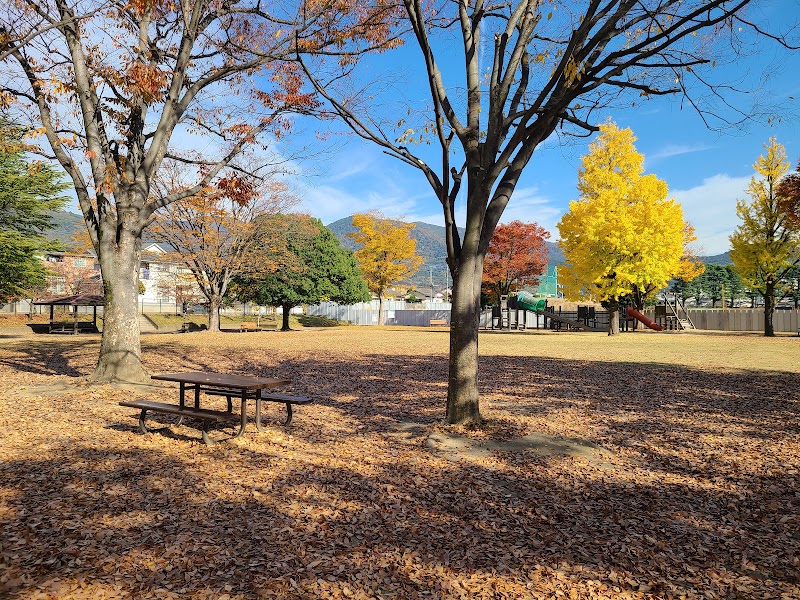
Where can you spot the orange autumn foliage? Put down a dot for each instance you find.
(516, 256)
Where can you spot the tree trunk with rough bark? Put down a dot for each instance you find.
(769, 309)
(462, 390)
(214, 303)
(613, 317)
(381, 318)
(286, 310)
(120, 348)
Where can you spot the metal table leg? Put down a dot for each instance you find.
(243, 419)
(258, 412)
(182, 402)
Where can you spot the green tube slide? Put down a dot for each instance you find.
(527, 301)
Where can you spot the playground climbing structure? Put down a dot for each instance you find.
(582, 320)
(672, 314)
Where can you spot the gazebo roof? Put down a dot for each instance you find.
(79, 300)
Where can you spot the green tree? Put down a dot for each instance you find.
(624, 234)
(792, 282)
(737, 288)
(764, 248)
(310, 267)
(29, 192)
(715, 283)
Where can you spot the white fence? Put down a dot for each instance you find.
(395, 312)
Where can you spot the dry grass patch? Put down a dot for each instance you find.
(693, 491)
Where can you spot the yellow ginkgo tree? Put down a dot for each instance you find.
(766, 245)
(387, 252)
(624, 235)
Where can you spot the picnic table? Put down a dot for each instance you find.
(217, 384)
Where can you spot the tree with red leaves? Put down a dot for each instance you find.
(516, 256)
(789, 198)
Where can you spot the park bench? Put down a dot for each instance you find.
(203, 414)
(438, 322)
(245, 327)
(268, 396)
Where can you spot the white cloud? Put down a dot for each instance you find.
(711, 208)
(330, 202)
(676, 150)
(527, 206)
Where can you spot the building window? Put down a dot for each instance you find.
(58, 285)
(79, 262)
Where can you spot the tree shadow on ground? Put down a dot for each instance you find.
(701, 497)
(49, 357)
(248, 522)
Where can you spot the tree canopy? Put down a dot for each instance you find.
(387, 253)
(623, 233)
(115, 88)
(29, 192)
(504, 77)
(516, 256)
(766, 245)
(311, 266)
(222, 231)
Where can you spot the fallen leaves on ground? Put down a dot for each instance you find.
(695, 494)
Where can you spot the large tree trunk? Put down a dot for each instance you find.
(612, 306)
(214, 302)
(769, 309)
(381, 319)
(286, 310)
(462, 388)
(120, 349)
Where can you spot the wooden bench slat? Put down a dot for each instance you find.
(269, 396)
(173, 409)
(287, 399)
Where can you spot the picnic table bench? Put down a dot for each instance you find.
(439, 322)
(182, 411)
(217, 384)
(72, 327)
(259, 396)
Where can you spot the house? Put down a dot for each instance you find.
(72, 273)
(165, 281)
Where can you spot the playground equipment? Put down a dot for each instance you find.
(632, 312)
(513, 314)
(672, 314)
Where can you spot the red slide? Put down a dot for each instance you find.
(640, 317)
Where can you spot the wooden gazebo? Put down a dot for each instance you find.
(73, 326)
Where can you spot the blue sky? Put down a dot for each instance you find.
(705, 170)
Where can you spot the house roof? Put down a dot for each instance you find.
(79, 300)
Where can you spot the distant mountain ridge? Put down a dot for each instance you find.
(67, 224)
(430, 245)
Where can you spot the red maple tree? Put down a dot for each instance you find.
(789, 198)
(516, 256)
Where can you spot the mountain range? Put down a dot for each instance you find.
(430, 245)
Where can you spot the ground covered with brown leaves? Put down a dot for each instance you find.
(684, 482)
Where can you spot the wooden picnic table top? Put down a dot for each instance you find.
(224, 380)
